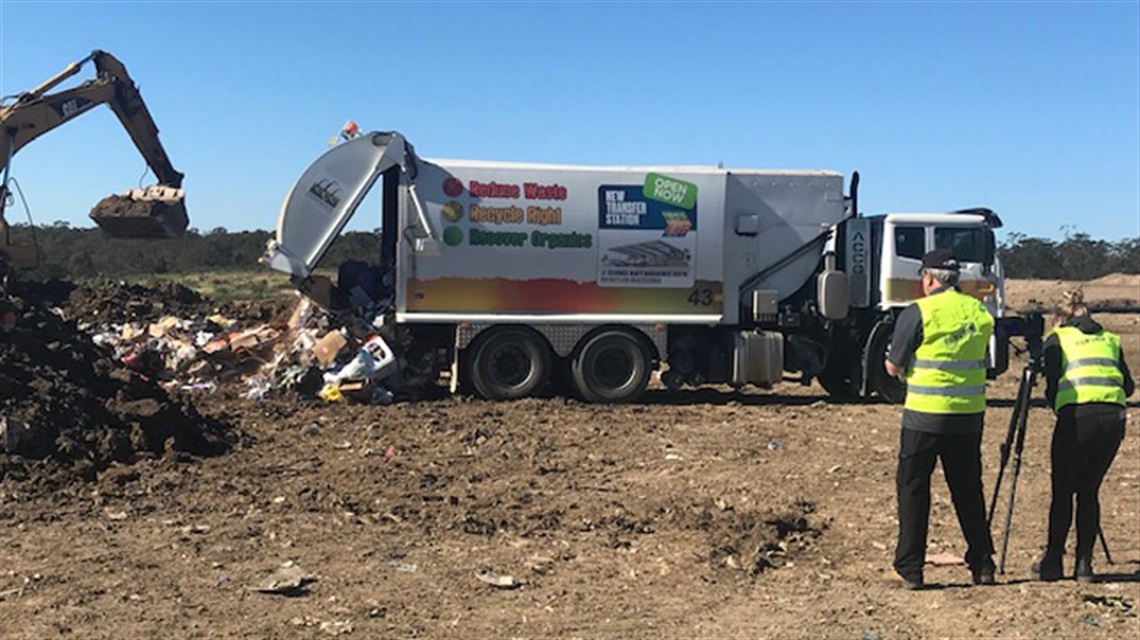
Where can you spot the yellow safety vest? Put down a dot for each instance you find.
(1089, 368)
(948, 375)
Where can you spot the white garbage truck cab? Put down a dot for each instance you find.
(506, 276)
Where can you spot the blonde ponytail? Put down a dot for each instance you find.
(1071, 306)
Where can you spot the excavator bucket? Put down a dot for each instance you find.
(154, 212)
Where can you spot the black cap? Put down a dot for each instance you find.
(940, 259)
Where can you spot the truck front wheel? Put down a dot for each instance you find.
(840, 382)
(509, 362)
(611, 366)
(883, 384)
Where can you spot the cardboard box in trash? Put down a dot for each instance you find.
(361, 390)
(242, 340)
(328, 347)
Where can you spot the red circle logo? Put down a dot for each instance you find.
(452, 187)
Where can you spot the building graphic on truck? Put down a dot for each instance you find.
(505, 273)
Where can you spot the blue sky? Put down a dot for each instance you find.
(1030, 108)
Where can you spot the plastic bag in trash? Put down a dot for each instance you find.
(382, 396)
(374, 361)
(258, 387)
(331, 393)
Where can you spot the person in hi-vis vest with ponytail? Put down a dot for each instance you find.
(939, 343)
(1086, 384)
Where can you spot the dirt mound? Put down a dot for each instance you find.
(1119, 280)
(116, 302)
(66, 402)
(1114, 291)
(121, 302)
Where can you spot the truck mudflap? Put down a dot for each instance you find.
(325, 198)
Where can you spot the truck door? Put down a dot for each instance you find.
(903, 248)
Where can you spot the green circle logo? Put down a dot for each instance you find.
(453, 236)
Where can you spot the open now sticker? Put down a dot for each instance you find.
(672, 191)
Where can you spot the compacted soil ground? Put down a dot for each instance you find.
(705, 513)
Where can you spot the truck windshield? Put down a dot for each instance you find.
(968, 244)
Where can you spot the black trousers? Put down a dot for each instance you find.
(961, 456)
(1085, 442)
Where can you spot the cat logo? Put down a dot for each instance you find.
(68, 109)
(327, 191)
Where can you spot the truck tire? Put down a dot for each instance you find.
(839, 383)
(880, 382)
(611, 366)
(509, 362)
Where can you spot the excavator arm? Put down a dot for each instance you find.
(157, 211)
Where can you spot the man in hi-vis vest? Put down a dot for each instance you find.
(1087, 382)
(939, 343)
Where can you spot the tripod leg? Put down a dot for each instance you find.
(1009, 514)
(1021, 414)
(1023, 391)
(1104, 545)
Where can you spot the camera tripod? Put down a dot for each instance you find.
(1015, 437)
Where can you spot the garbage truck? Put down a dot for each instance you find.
(505, 277)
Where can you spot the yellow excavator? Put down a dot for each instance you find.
(157, 211)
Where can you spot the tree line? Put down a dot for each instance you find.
(77, 254)
(1077, 257)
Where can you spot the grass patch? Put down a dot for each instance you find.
(226, 286)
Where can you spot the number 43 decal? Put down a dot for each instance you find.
(701, 297)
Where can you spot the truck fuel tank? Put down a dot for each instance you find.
(758, 358)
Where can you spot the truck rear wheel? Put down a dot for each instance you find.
(611, 366)
(509, 362)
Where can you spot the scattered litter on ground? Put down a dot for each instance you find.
(1118, 603)
(289, 580)
(499, 581)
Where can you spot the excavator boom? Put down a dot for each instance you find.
(153, 212)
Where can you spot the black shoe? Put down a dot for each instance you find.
(912, 583)
(1047, 570)
(983, 575)
(1084, 570)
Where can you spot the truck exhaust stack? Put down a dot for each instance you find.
(154, 212)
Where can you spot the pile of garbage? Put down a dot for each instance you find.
(64, 398)
(173, 336)
(98, 374)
